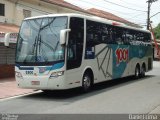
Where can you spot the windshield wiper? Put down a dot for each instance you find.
(37, 47)
(38, 41)
(34, 47)
(47, 45)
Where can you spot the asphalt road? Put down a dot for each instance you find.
(120, 96)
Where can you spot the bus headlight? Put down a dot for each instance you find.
(56, 74)
(18, 74)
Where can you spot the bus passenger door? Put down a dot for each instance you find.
(75, 49)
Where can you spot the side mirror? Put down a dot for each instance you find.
(6, 39)
(63, 36)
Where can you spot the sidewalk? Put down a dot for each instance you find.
(156, 64)
(8, 88)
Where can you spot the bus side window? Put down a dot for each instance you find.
(110, 35)
(119, 36)
(92, 34)
(147, 37)
(129, 36)
(98, 33)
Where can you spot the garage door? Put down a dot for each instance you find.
(7, 55)
(3, 54)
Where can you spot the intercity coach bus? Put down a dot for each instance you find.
(63, 51)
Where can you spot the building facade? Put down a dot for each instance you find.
(12, 12)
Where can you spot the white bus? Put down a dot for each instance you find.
(63, 51)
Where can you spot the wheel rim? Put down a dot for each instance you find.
(86, 82)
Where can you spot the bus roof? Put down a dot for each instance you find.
(93, 18)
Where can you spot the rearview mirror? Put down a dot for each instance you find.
(6, 39)
(63, 36)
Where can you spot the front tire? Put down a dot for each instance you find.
(137, 72)
(86, 82)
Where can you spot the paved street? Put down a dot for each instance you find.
(119, 96)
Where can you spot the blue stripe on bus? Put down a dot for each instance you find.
(24, 68)
(57, 66)
(47, 68)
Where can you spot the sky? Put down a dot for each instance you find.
(134, 11)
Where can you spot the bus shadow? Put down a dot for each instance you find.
(119, 82)
(76, 93)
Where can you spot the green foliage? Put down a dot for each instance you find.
(157, 31)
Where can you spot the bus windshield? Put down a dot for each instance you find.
(38, 40)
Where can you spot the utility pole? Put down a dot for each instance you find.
(148, 13)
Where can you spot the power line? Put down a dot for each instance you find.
(131, 4)
(124, 13)
(136, 16)
(137, 19)
(155, 23)
(124, 6)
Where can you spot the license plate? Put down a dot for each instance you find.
(35, 82)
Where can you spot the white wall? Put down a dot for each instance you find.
(14, 10)
(9, 12)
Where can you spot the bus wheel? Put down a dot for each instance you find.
(143, 70)
(137, 72)
(86, 83)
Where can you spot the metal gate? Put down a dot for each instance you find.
(7, 55)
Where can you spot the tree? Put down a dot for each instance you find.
(157, 31)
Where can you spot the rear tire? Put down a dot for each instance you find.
(86, 82)
(143, 70)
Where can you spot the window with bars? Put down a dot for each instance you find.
(26, 13)
(2, 9)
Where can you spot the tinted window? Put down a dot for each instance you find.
(98, 33)
(129, 36)
(139, 36)
(147, 37)
(75, 43)
(119, 35)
